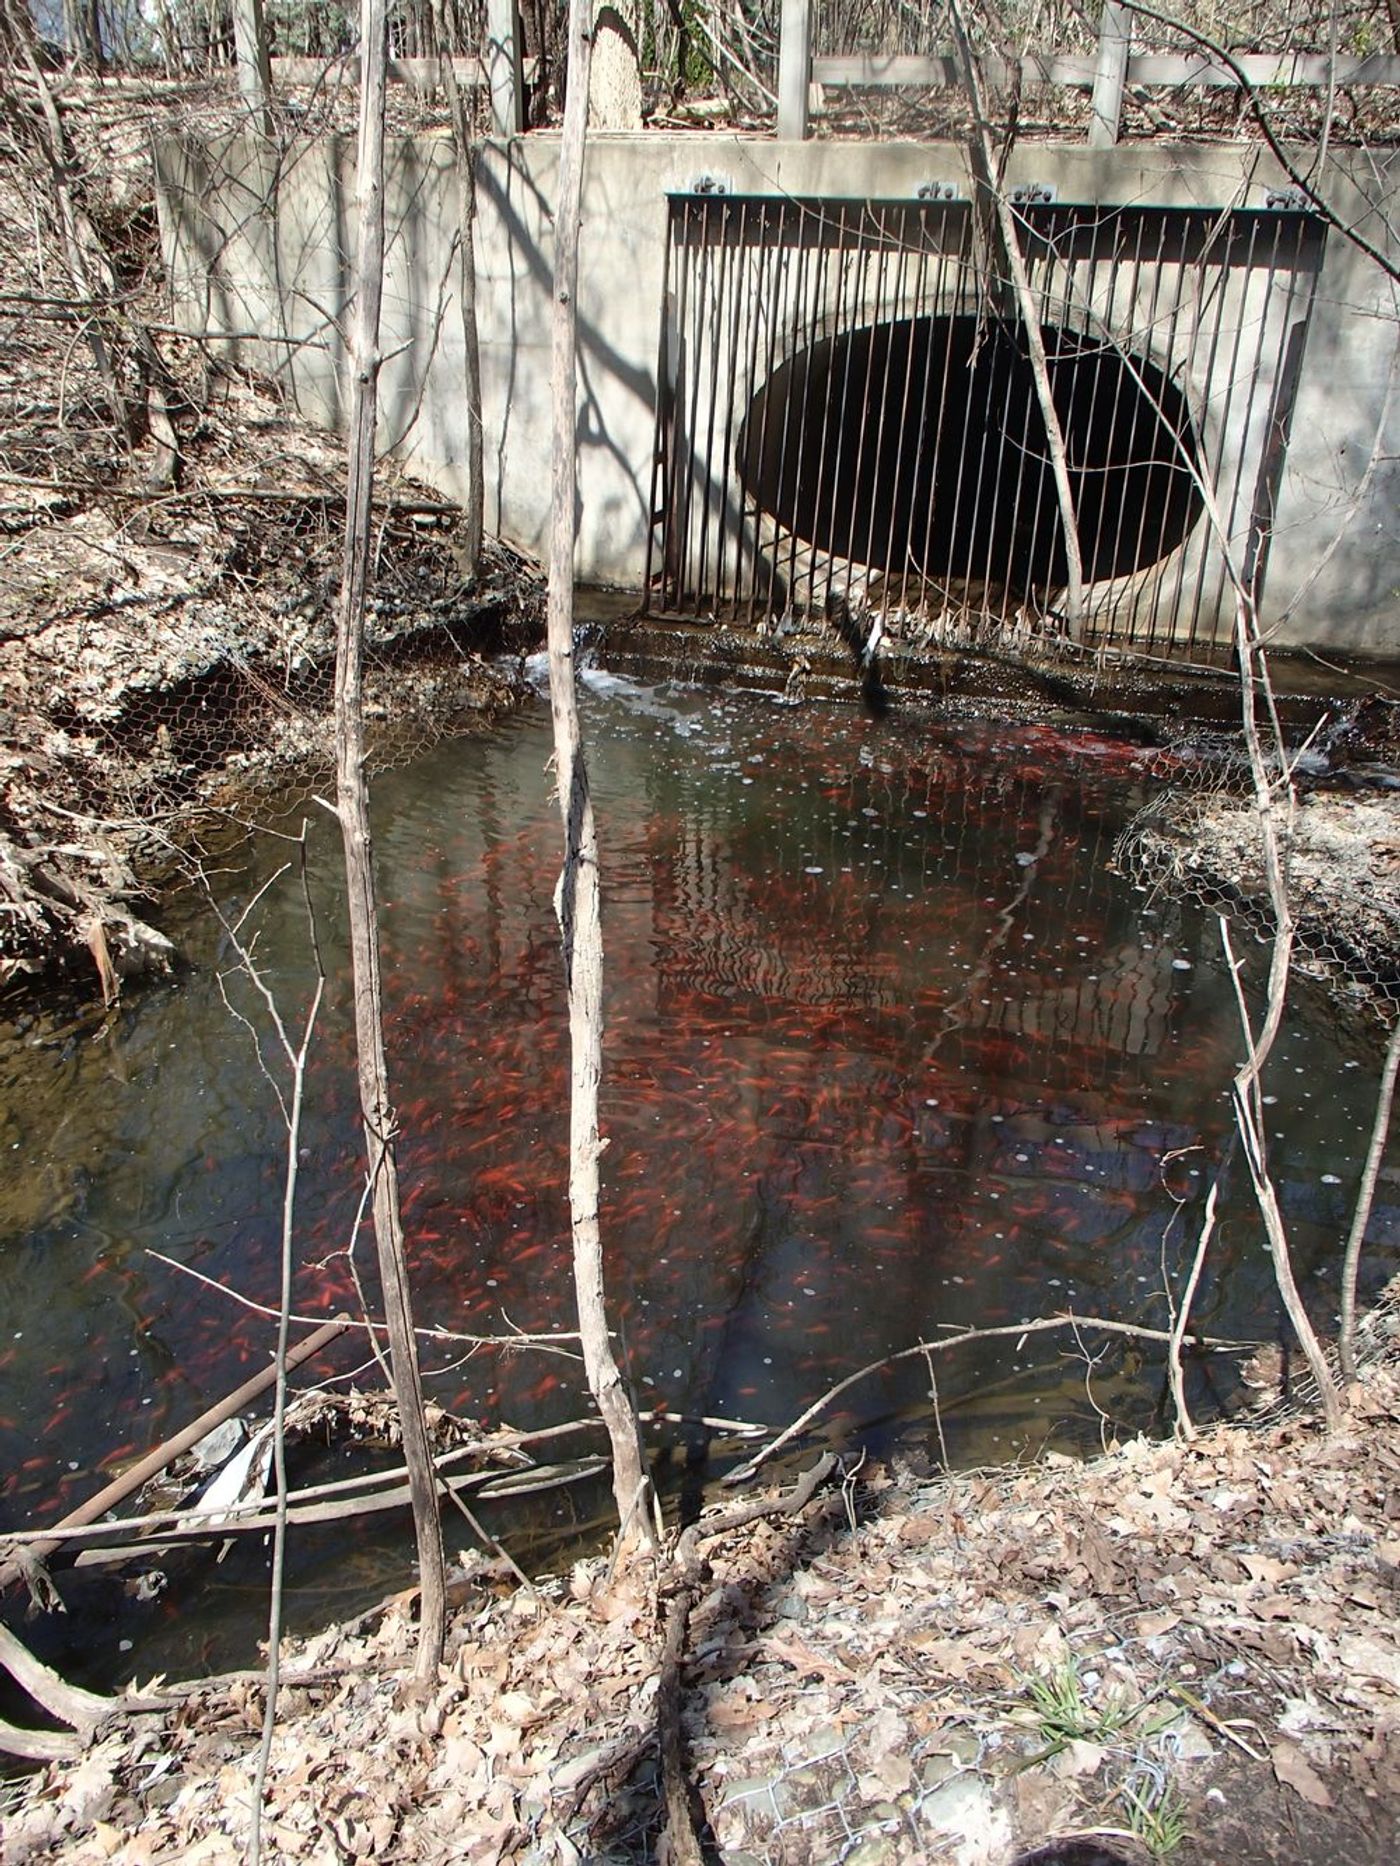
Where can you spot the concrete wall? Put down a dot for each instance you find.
(258, 243)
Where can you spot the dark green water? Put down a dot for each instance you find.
(891, 1048)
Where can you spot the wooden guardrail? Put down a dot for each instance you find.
(1107, 73)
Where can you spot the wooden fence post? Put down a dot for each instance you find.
(1115, 38)
(503, 73)
(794, 69)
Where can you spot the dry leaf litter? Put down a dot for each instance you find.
(1190, 1648)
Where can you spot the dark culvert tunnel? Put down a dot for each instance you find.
(919, 444)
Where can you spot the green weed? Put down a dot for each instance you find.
(1159, 1820)
(1065, 1714)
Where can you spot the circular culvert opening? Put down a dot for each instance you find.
(920, 443)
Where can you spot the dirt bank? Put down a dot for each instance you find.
(150, 648)
(1343, 860)
(1189, 1649)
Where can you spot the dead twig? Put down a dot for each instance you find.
(1043, 1325)
(1361, 1217)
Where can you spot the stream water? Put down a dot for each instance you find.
(892, 1047)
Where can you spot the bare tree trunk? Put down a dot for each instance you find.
(576, 898)
(615, 81)
(989, 186)
(471, 336)
(353, 809)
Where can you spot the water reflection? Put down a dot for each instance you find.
(891, 1049)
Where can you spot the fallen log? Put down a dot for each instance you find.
(259, 1519)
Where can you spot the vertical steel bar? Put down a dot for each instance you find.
(811, 259)
(661, 428)
(1116, 329)
(696, 229)
(1098, 344)
(964, 283)
(1224, 252)
(1023, 451)
(852, 268)
(1278, 432)
(989, 330)
(1242, 281)
(777, 274)
(717, 211)
(1186, 372)
(1210, 235)
(741, 306)
(1250, 440)
(1153, 580)
(758, 267)
(875, 474)
(794, 216)
(1136, 522)
(911, 307)
(938, 306)
(835, 323)
(681, 464)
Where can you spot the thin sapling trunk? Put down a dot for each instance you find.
(352, 806)
(577, 895)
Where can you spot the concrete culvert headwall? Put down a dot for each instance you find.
(920, 443)
(849, 424)
(742, 255)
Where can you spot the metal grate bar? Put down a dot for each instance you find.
(846, 424)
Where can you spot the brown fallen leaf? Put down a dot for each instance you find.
(1294, 1771)
(1152, 1625)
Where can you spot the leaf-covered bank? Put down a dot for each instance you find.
(1188, 1650)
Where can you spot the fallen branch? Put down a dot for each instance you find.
(40, 1745)
(681, 1844)
(452, 1336)
(1043, 1325)
(344, 1509)
(82, 1710)
(157, 1522)
(156, 1461)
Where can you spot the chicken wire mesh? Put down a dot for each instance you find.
(1199, 839)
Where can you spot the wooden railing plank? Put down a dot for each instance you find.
(1304, 70)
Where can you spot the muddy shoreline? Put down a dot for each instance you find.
(156, 659)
